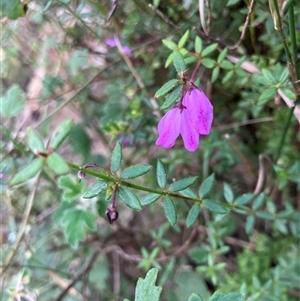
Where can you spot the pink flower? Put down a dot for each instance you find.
(191, 118)
(113, 42)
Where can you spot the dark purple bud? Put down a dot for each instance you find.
(81, 175)
(112, 214)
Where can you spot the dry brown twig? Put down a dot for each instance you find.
(246, 24)
(88, 265)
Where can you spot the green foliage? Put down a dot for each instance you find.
(13, 102)
(167, 87)
(135, 171)
(146, 289)
(206, 186)
(182, 184)
(193, 215)
(214, 207)
(172, 98)
(218, 296)
(149, 198)
(161, 174)
(35, 142)
(71, 189)
(170, 210)
(129, 198)
(95, 190)
(178, 62)
(61, 133)
(116, 158)
(12, 9)
(232, 237)
(74, 222)
(57, 164)
(28, 172)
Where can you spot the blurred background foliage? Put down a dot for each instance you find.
(57, 63)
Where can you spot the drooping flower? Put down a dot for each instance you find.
(192, 117)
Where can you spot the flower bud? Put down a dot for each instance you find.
(112, 214)
(81, 175)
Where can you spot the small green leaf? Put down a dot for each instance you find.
(258, 202)
(198, 44)
(116, 158)
(28, 172)
(222, 55)
(12, 9)
(208, 63)
(170, 210)
(183, 52)
(169, 60)
(264, 215)
(284, 75)
(161, 174)
(227, 77)
(249, 224)
(74, 221)
(146, 289)
(195, 297)
(215, 74)
(167, 87)
(71, 189)
(34, 141)
(170, 44)
(232, 2)
(214, 207)
(183, 39)
(172, 98)
(244, 199)
(135, 171)
(13, 102)
(268, 76)
(129, 198)
(206, 51)
(266, 95)
(206, 186)
(57, 164)
(182, 184)
(228, 193)
(149, 199)
(96, 189)
(61, 133)
(193, 215)
(178, 62)
(226, 65)
(289, 93)
(218, 296)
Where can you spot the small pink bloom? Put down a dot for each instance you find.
(169, 128)
(200, 110)
(113, 42)
(191, 118)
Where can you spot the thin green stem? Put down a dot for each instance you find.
(293, 40)
(107, 176)
(278, 19)
(286, 127)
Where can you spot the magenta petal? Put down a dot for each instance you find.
(200, 110)
(111, 42)
(189, 134)
(169, 128)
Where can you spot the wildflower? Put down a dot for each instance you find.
(191, 117)
(114, 42)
